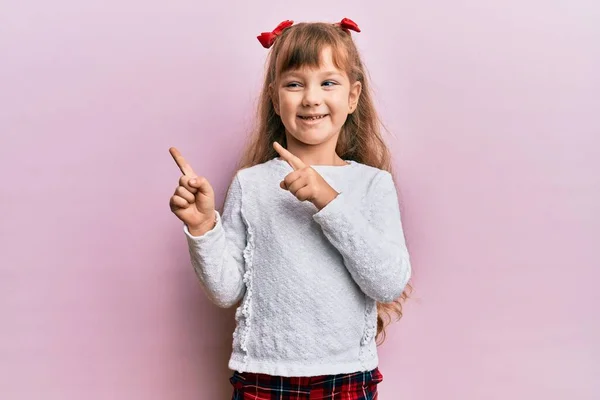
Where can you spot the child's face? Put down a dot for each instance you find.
(314, 103)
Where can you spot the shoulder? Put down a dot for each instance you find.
(377, 183)
(257, 174)
(373, 175)
(261, 168)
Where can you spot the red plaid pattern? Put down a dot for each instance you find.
(353, 386)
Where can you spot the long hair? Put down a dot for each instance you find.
(360, 138)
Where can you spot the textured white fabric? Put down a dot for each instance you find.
(309, 279)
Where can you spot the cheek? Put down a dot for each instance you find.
(341, 101)
(341, 109)
(341, 105)
(287, 106)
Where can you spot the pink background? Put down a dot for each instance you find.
(493, 106)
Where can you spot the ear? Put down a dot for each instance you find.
(274, 98)
(354, 95)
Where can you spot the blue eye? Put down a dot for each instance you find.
(292, 84)
(329, 83)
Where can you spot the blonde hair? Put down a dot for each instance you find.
(360, 138)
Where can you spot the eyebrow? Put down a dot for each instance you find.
(326, 73)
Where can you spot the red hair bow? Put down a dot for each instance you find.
(267, 38)
(347, 24)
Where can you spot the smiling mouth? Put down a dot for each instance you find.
(312, 117)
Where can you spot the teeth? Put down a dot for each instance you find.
(313, 118)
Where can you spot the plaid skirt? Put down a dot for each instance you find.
(353, 386)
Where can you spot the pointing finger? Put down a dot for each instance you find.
(183, 165)
(291, 159)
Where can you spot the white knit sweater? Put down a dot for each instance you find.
(309, 279)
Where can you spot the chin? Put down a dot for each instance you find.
(312, 138)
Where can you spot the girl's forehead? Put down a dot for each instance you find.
(326, 55)
(326, 64)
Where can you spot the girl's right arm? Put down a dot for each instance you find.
(216, 244)
(218, 255)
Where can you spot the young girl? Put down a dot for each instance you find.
(310, 237)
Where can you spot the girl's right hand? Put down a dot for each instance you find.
(193, 203)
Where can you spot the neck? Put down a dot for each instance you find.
(317, 154)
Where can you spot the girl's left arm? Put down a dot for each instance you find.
(370, 240)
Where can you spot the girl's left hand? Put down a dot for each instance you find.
(305, 183)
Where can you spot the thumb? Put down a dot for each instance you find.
(201, 185)
(195, 182)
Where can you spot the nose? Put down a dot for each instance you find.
(312, 96)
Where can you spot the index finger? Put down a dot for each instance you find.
(291, 159)
(183, 165)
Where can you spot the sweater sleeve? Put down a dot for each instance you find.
(370, 239)
(218, 255)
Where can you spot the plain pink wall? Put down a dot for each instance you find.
(494, 110)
